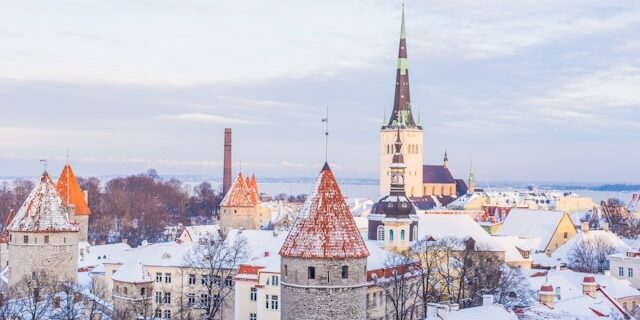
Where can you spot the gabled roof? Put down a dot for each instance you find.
(132, 272)
(436, 174)
(538, 224)
(43, 210)
(239, 195)
(253, 187)
(325, 227)
(592, 237)
(69, 189)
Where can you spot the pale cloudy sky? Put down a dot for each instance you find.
(531, 90)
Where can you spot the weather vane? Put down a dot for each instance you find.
(44, 162)
(326, 135)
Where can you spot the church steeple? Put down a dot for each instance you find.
(402, 100)
(472, 179)
(397, 169)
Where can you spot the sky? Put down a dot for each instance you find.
(526, 90)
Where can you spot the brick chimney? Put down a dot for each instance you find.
(589, 286)
(226, 175)
(547, 295)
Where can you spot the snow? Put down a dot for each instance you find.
(378, 257)
(43, 210)
(532, 224)
(461, 226)
(239, 195)
(563, 253)
(211, 231)
(493, 312)
(132, 272)
(90, 256)
(325, 226)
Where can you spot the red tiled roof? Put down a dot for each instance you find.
(69, 189)
(325, 226)
(239, 195)
(4, 236)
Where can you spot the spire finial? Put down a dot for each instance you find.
(67, 156)
(326, 135)
(403, 33)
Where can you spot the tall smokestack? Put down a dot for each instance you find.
(226, 176)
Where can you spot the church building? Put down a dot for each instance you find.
(420, 180)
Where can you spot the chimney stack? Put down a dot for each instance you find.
(589, 286)
(226, 175)
(585, 227)
(547, 295)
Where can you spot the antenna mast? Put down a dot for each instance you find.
(44, 162)
(326, 135)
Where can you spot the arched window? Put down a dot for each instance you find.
(390, 235)
(401, 234)
(380, 233)
(415, 233)
(417, 148)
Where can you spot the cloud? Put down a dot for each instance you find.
(206, 118)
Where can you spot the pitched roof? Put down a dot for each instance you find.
(132, 272)
(526, 223)
(239, 195)
(253, 188)
(325, 226)
(69, 189)
(436, 174)
(43, 210)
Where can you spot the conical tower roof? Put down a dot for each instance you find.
(239, 195)
(325, 226)
(44, 210)
(402, 114)
(69, 189)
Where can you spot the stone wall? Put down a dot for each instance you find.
(328, 296)
(58, 258)
(247, 218)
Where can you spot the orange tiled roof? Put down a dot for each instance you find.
(70, 191)
(239, 195)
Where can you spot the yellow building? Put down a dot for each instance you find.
(549, 229)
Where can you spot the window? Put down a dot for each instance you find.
(204, 300)
(205, 280)
(167, 278)
(266, 301)
(158, 276)
(374, 300)
(253, 295)
(143, 291)
(565, 235)
(158, 297)
(253, 316)
(630, 272)
(621, 271)
(402, 235)
(192, 279)
(274, 281)
(167, 297)
(25, 239)
(345, 272)
(311, 273)
(46, 239)
(191, 299)
(217, 280)
(167, 314)
(274, 302)
(228, 281)
(286, 273)
(158, 313)
(390, 235)
(380, 233)
(415, 233)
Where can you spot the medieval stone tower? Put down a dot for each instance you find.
(324, 259)
(393, 221)
(240, 208)
(410, 132)
(69, 189)
(42, 239)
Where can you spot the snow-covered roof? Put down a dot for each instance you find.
(494, 311)
(461, 226)
(325, 227)
(43, 210)
(92, 256)
(132, 272)
(526, 223)
(239, 195)
(202, 231)
(563, 253)
(69, 189)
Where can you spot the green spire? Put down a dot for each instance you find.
(403, 33)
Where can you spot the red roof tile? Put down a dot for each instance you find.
(70, 191)
(325, 226)
(239, 195)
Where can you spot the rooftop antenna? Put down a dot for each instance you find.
(67, 156)
(326, 135)
(44, 162)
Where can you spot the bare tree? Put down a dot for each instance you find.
(591, 255)
(513, 289)
(400, 285)
(214, 262)
(34, 296)
(429, 254)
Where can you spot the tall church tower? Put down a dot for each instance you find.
(410, 133)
